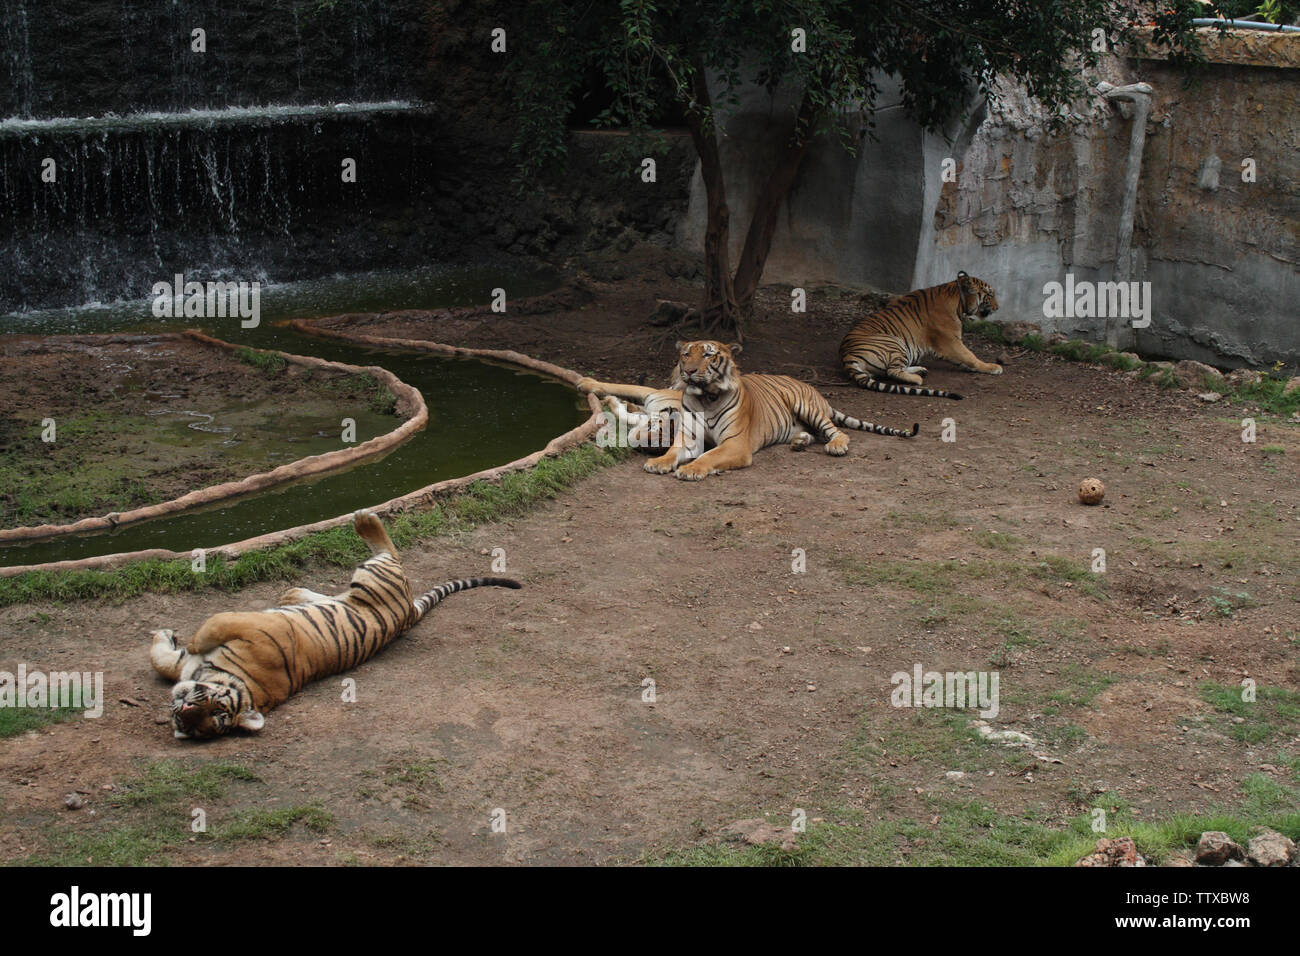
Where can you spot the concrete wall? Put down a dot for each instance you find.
(1030, 206)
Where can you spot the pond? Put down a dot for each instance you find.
(481, 414)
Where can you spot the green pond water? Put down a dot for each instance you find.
(481, 414)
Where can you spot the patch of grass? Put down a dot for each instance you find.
(167, 781)
(1079, 351)
(379, 399)
(265, 824)
(19, 720)
(1274, 711)
(926, 577)
(998, 541)
(1226, 603)
(50, 483)
(270, 362)
(142, 819)
(480, 503)
(960, 832)
(1056, 568)
(1081, 686)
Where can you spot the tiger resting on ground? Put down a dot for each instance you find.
(892, 341)
(733, 415)
(239, 665)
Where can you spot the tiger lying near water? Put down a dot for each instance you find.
(734, 415)
(239, 665)
(893, 340)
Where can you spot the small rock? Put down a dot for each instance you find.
(1244, 377)
(954, 775)
(786, 650)
(73, 801)
(1209, 397)
(1270, 848)
(1190, 374)
(1118, 852)
(1002, 358)
(1215, 847)
(1234, 863)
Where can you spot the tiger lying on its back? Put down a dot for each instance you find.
(239, 665)
(892, 341)
(734, 415)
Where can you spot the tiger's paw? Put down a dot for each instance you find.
(993, 370)
(662, 465)
(165, 638)
(801, 442)
(693, 471)
(586, 384)
(839, 445)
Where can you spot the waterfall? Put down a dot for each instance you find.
(94, 57)
(127, 154)
(244, 193)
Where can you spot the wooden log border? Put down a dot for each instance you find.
(423, 496)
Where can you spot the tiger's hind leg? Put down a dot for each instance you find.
(372, 532)
(301, 596)
(902, 372)
(814, 411)
(165, 656)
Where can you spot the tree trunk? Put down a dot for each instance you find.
(719, 296)
(767, 206)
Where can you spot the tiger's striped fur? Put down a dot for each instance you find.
(734, 415)
(892, 341)
(239, 665)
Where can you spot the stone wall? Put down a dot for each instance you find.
(1029, 206)
(1222, 255)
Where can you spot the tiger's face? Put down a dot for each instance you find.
(705, 367)
(203, 709)
(977, 297)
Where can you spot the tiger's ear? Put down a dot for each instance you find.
(735, 348)
(250, 720)
(680, 345)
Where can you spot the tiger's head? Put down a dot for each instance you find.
(706, 367)
(975, 296)
(210, 709)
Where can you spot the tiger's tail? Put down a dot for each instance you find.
(867, 380)
(429, 598)
(848, 421)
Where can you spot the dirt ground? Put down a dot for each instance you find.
(144, 419)
(772, 688)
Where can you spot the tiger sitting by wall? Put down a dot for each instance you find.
(239, 665)
(734, 415)
(893, 340)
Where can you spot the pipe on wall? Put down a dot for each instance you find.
(1139, 94)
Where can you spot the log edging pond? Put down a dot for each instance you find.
(407, 397)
